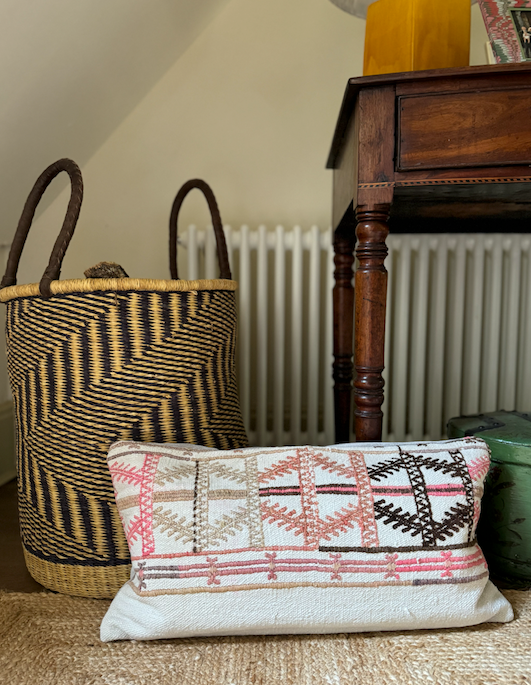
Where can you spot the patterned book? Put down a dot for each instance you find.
(508, 24)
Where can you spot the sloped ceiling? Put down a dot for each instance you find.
(71, 71)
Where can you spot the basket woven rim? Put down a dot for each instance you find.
(101, 582)
(90, 285)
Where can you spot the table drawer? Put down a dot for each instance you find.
(464, 129)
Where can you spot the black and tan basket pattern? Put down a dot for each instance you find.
(149, 361)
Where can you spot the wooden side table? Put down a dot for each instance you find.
(440, 150)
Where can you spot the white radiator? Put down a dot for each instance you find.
(458, 330)
(284, 354)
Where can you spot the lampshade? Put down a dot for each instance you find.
(356, 7)
(359, 7)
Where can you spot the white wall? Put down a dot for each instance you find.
(71, 71)
(478, 38)
(250, 107)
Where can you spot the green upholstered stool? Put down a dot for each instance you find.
(504, 530)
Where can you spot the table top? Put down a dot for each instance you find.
(427, 79)
(449, 143)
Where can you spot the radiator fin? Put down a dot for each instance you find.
(458, 329)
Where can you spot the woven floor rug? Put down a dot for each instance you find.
(53, 639)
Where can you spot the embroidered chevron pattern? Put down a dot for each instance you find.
(133, 529)
(274, 513)
(309, 502)
(121, 473)
(328, 464)
(392, 514)
(478, 468)
(201, 527)
(271, 517)
(456, 518)
(420, 494)
(282, 468)
(219, 469)
(173, 525)
(227, 525)
(452, 468)
(340, 521)
(174, 473)
(367, 520)
(468, 513)
(149, 470)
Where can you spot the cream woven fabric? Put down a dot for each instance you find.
(301, 539)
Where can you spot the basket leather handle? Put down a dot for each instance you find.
(223, 257)
(72, 213)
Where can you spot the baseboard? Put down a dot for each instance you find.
(7, 443)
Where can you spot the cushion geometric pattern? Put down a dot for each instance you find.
(361, 518)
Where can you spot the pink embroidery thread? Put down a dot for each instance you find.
(391, 571)
(309, 503)
(120, 473)
(336, 567)
(275, 513)
(447, 556)
(133, 530)
(212, 571)
(340, 522)
(149, 470)
(272, 561)
(284, 467)
(369, 528)
(478, 468)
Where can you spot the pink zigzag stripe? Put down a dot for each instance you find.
(134, 529)
(478, 468)
(282, 468)
(367, 521)
(282, 567)
(413, 563)
(309, 501)
(149, 470)
(119, 472)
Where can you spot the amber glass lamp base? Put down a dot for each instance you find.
(410, 35)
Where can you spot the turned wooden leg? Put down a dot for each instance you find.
(343, 298)
(371, 292)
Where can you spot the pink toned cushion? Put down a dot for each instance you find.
(301, 539)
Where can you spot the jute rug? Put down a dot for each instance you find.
(54, 639)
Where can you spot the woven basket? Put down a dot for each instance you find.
(93, 361)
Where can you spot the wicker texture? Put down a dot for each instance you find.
(53, 640)
(98, 364)
(90, 285)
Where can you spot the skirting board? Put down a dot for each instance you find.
(7, 443)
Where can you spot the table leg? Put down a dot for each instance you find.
(343, 300)
(371, 293)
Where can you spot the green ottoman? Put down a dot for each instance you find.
(504, 530)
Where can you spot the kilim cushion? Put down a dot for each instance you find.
(301, 539)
